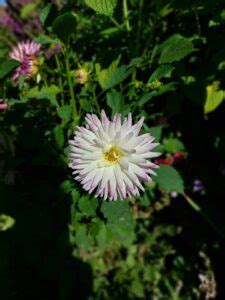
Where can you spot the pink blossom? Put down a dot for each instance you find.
(27, 54)
(3, 106)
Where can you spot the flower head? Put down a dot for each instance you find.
(3, 106)
(82, 75)
(198, 187)
(27, 53)
(111, 158)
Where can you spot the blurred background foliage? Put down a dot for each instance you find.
(158, 59)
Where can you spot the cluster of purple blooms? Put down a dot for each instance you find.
(11, 21)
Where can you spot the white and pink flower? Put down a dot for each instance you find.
(27, 53)
(110, 158)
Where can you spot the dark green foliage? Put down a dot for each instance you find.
(163, 60)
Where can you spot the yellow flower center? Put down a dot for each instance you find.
(35, 66)
(113, 155)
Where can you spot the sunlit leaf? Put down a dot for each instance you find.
(214, 97)
(105, 7)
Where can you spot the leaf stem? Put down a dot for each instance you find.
(126, 16)
(97, 104)
(72, 95)
(60, 78)
(115, 22)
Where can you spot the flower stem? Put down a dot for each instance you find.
(198, 209)
(141, 5)
(115, 22)
(97, 104)
(60, 78)
(126, 17)
(72, 95)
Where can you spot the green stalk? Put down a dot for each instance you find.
(96, 104)
(72, 95)
(59, 76)
(115, 22)
(141, 5)
(126, 17)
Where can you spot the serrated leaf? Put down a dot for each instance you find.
(105, 7)
(160, 72)
(115, 101)
(64, 26)
(169, 179)
(124, 234)
(113, 75)
(83, 240)
(214, 97)
(7, 67)
(88, 206)
(162, 90)
(44, 93)
(64, 112)
(175, 48)
(172, 145)
(117, 212)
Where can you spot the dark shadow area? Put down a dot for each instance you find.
(36, 257)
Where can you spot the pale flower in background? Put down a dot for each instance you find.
(110, 158)
(3, 106)
(27, 54)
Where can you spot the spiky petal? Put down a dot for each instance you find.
(27, 54)
(110, 158)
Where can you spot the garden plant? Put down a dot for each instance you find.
(112, 149)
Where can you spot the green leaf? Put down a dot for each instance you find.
(175, 48)
(88, 206)
(169, 179)
(121, 233)
(137, 288)
(156, 131)
(115, 101)
(105, 7)
(160, 72)
(172, 145)
(117, 212)
(214, 97)
(6, 222)
(64, 112)
(45, 40)
(86, 105)
(44, 93)
(7, 67)
(59, 136)
(48, 14)
(162, 90)
(64, 26)
(112, 76)
(27, 10)
(83, 240)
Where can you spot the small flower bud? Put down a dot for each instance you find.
(82, 76)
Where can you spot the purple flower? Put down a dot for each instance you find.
(27, 53)
(198, 186)
(56, 49)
